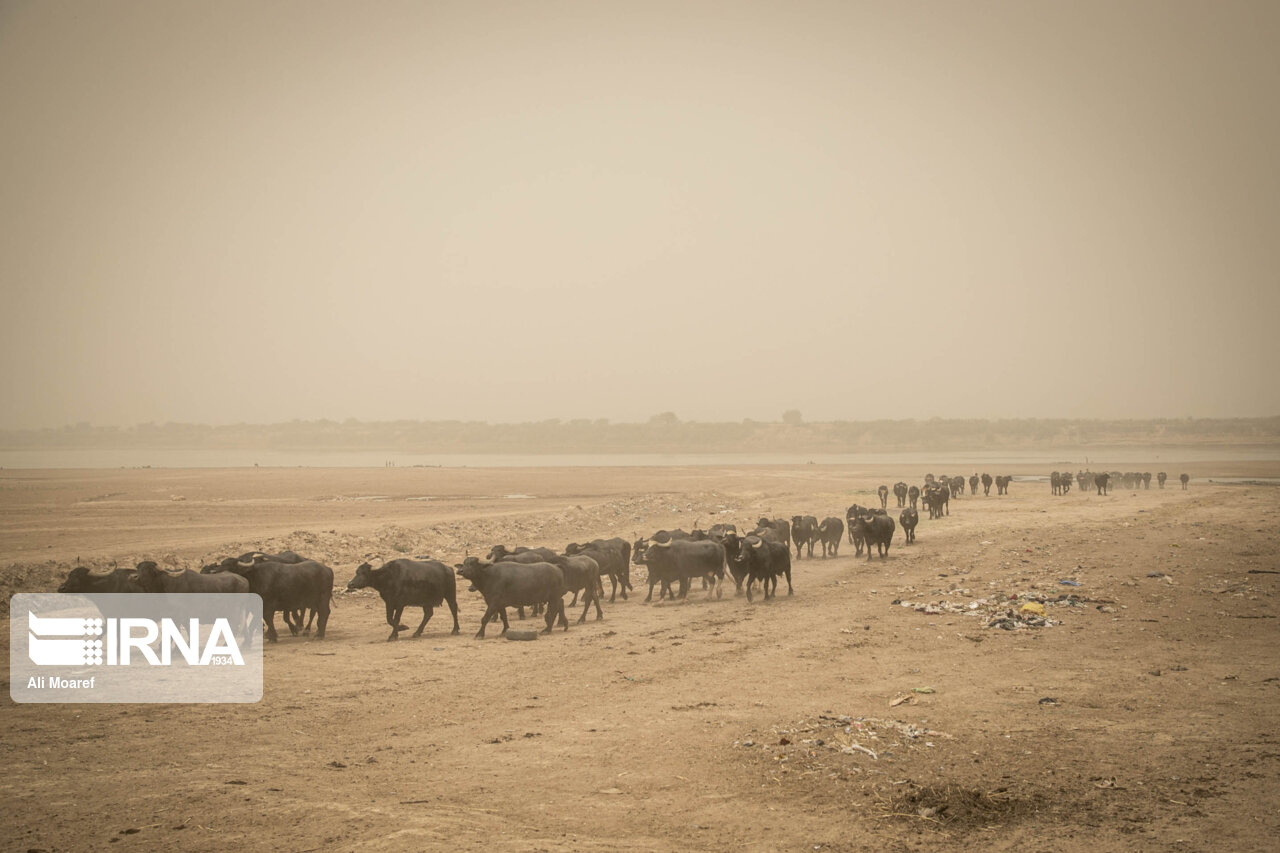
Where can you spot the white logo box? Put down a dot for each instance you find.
(143, 647)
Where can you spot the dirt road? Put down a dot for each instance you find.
(872, 710)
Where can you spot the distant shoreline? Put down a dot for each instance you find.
(1075, 458)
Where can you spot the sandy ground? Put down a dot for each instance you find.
(872, 710)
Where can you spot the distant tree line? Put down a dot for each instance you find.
(663, 433)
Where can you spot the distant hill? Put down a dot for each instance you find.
(662, 434)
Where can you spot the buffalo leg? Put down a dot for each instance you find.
(321, 615)
(426, 617)
(393, 619)
(271, 626)
(453, 607)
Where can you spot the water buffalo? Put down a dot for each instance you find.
(986, 484)
(830, 532)
(289, 587)
(154, 579)
(883, 492)
(877, 529)
(760, 559)
(118, 581)
(804, 532)
(680, 560)
(909, 519)
(1102, 480)
(900, 492)
(1185, 479)
(409, 583)
(511, 584)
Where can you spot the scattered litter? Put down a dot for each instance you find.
(900, 699)
(522, 635)
(923, 690)
(1048, 700)
(1035, 608)
(1066, 582)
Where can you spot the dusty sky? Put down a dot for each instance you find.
(225, 211)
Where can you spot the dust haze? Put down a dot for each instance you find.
(219, 213)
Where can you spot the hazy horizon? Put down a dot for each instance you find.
(247, 212)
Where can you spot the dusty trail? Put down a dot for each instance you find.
(631, 733)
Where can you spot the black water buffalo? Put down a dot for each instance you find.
(913, 496)
(1161, 477)
(973, 484)
(957, 487)
(678, 561)
(883, 493)
(1102, 480)
(938, 500)
(581, 575)
(718, 532)
(986, 484)
(1055, 483)
(1083, 479)
(876, 529)
(510, 584)
(732, 543)
(804, 532)
(1146, 479)
(118, 581)
(778, 530)
(1185, 479)
(409, 583)
(1002, 484)
(855, 535)
(261, 557)
(519, 554)
(289, 587)
(154, 579)
(759, 559)
(613, 556)
(909, 518)
(830, 532)
(900, 492)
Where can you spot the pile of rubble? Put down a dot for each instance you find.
(1009, 612)
(846, 735)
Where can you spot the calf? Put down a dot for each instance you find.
(409, 583)
(913, 495)
(831, 531)
(509, 584)
(909, 519)
(883, 492)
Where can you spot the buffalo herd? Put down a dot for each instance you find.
(301, 589)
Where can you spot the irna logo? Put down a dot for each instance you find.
(55, 641)
(131, 647)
